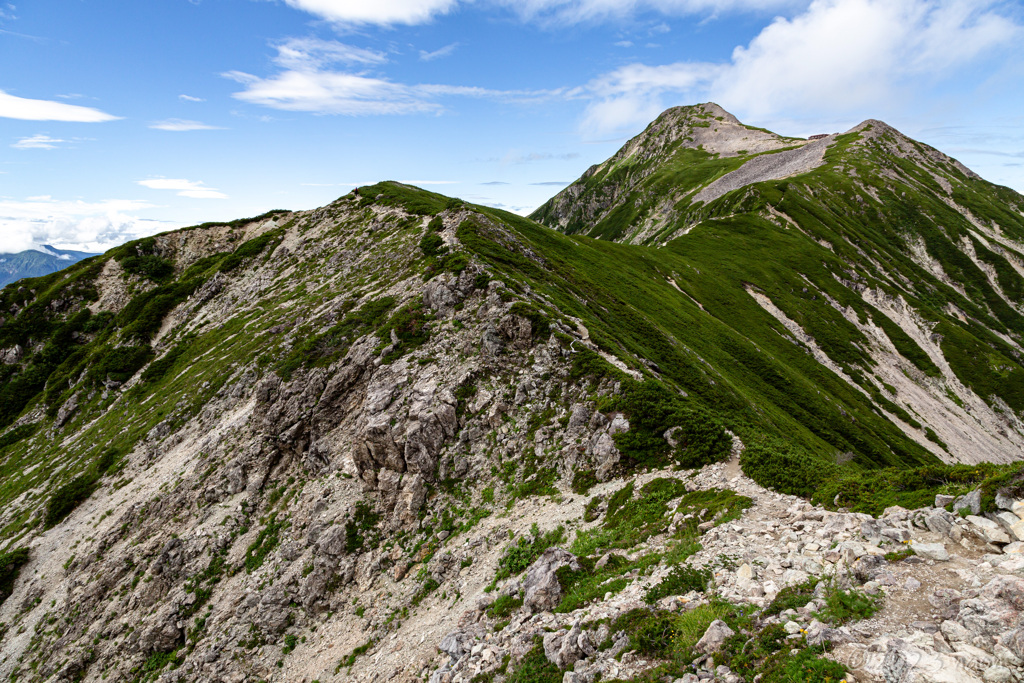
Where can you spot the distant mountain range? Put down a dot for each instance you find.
(37, 262)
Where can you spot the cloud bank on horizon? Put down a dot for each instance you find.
(504, 94)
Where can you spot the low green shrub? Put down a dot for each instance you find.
(410, 325)
(11, 563)
(540, 326)
(590, 583)
(428, 587)
(250, 248)
(791, 597)
(117, 364)
(266, 541)
(680, 581)
(360, 530)
(534, 667)
(69, 496)
(66, 498)
(653, 409)
(842, 606)
(785, 467)
(521, 554)
(503, 606)
(17, 434)
(583, 481)
(149, 266)
(432, 244)
(874, 490)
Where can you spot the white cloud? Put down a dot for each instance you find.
(13, 107)
(375, 12)
(330, 92)
(633, 94)
(190, 98)
(835, 57)
(306, 54)
(37, 142)
(847, 53)
(184, 188)
(84, 226)
(178, 125)
(580, 11)
(307, 84)
(388, 12)
(437, 54)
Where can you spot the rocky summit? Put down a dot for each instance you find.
(731, 407)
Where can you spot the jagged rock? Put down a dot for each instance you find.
(272, 610)
(456, 644)
(970, 501)
(1004, 501)
(713, 637)
(162, 635)
(987, 530)
(1011, 523)
(11, 356)
(564, 649)
(942, 500)
(939, 522)
(541, 588)
(605, 454)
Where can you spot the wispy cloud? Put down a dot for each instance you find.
(308, 54)
(190, 98)
(517, 157)
(437, 54)
(38, 142)
(495, 182)
(306, 83)
(179, 125)
(560, 183)
(13, 107)
(389, 12)
(184, 188)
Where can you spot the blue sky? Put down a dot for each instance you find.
(123, 119)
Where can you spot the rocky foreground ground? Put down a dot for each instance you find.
(951, 611)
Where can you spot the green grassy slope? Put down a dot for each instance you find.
(883, 219)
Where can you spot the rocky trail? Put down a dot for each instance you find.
(950, 612)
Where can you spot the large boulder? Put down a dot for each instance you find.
(542, 592)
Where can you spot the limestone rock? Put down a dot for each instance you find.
(931, 551)
(713, 637)
(987, 530)
(970, 501)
